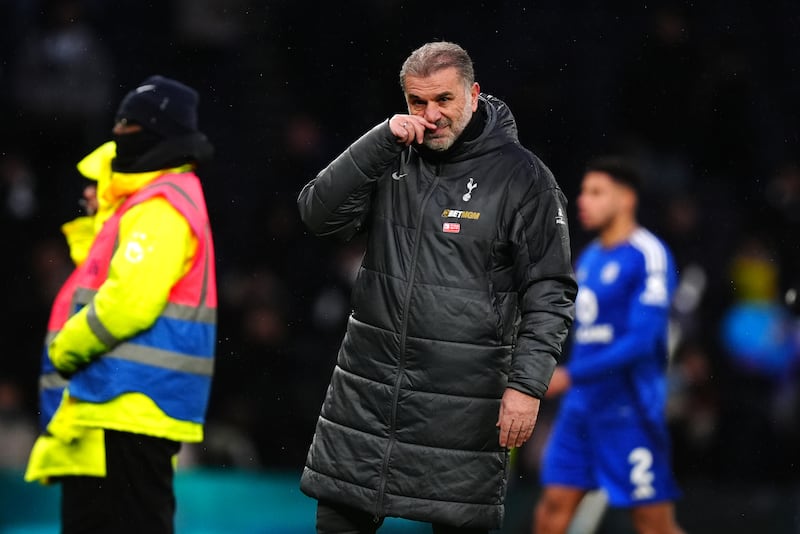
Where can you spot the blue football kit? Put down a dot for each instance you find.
(611, 431)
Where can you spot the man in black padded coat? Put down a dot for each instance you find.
(460, 309)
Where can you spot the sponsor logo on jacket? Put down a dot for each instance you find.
(461, 214)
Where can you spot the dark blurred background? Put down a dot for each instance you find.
(702, 95)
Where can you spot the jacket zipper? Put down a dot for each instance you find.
(402, 356)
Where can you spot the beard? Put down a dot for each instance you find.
(442, 142)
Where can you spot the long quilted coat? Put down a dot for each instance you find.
(466, 288)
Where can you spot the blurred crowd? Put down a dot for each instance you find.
(702, 98)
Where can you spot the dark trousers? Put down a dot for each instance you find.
(135, 496)
(335, 518)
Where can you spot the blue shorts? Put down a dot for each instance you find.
(626, 456)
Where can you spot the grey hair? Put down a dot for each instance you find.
(433, 57)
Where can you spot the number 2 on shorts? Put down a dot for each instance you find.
(641, 476)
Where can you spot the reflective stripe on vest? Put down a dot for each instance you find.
(51, 384)
(172, 361)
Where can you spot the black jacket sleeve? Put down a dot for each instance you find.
(337, 201)
(545, 283)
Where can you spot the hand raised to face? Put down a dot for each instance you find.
(409, 128)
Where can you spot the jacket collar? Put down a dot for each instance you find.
(124, 184)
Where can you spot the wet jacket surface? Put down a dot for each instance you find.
(466, 288)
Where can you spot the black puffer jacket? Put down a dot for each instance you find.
(466, 288)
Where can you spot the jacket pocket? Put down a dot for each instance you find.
(497, 314)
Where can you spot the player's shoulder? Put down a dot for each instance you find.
(653, 253)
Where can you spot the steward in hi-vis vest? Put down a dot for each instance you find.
(133, 331)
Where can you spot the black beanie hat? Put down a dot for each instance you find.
(161, 105)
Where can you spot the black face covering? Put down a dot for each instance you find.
(132, 146)
(144, 151)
